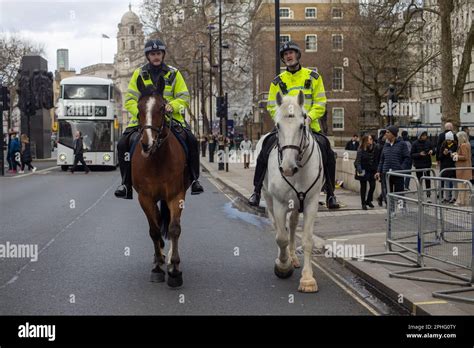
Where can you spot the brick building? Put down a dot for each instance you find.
(322, 28)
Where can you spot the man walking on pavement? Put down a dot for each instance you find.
(245, 149)
(290, 82)
(79, 153)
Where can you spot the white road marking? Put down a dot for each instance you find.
(37, 172)
(52, 240)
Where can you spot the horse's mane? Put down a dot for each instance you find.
(152, 90)
(282, 110)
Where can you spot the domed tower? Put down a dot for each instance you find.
(130, 42)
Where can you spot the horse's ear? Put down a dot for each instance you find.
(301, 98)
(161, 85)
(279, 99)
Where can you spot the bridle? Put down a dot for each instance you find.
(301, 148)
(160, 139)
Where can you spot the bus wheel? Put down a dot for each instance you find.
(64, 168)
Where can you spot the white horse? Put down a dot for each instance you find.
(292, 185)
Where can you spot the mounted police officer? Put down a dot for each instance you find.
(290, 82)
(177, 96)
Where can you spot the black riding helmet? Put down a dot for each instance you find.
(155, 45)
(290, 45)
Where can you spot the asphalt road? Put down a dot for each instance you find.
(95, 255)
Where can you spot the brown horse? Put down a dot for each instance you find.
(159, 173)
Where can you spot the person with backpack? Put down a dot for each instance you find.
(26, 154)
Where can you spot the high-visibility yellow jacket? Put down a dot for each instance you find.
(306, 80)
(176, 92)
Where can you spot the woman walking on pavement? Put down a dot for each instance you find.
(14, 149)
(446, 153)
(463, 160)
(365, 170)
(26, 154)
(79, 153)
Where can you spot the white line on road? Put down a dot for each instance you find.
(37, 172)
(16, 276)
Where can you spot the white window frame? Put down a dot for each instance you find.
(289, 12)
(343, 119)
(305, 42)
(315, 12)
(342, 43)
(337, 8)
(342, 78)
(289, 38)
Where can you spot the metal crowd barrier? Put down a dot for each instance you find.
(432, 230)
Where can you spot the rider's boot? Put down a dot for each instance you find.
(124, 191)
(254, 199)
(193, 148)
(196, 188)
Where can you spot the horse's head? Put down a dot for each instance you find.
(290, 121)
(151, 110)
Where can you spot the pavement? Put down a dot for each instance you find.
(353, 226)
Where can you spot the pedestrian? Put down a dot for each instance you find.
(14, 152)
(470, 135)
(448, 127)
(26, 157)
(463, 159)
(395, 156)
(365, 170)
(407, 141)
(245, 149)
(203, 145)
(79, 153)
(421, 152)
(378, 153)
(353, 144)
(447, 150)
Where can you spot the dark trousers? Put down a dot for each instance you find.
(427, 182)
(79, 158)
(203, 148)
(363, 191)
(396, 184)
(329, 162)
(27, 163)
(125, 157)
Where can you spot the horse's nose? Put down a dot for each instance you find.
(295, 170)
(145, 147)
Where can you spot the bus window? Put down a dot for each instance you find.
(89, 92)
(111, 88)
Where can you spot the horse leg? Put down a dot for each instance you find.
(151, 211)
(175, 276)
(307, 281)
(283, 266)
(294, 216)
(269, 201)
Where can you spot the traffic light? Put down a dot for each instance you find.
(5, 98)
(221, 107)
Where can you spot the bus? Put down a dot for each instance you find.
(87, 104)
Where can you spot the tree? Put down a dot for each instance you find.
(389, 52)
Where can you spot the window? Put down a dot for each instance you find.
(132, 30)
(469, 109)
(132, 45)
(338, 118)
(284, 12)
(338, 79)
(123, 44)
(337, 42)
(284, 38)
(310, 12)
(336, 13)
(311, 42)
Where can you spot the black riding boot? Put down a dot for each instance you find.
(329, 162)
(261, 168)
(193, 162)
(125, 162)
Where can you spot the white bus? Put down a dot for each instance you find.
(87, 104)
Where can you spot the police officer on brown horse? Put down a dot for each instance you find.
(177, 96)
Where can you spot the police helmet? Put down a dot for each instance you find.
(288, 46)
(154, 45)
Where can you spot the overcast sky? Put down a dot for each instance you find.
(72, 24)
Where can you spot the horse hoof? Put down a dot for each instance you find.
(176, 280)
(308, 286)
(157, 277)
(283, 274)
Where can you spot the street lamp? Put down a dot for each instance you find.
(196, 96)
(277, 37)
(210, 27)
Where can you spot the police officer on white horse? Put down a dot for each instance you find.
(177, 96)
(290, 82)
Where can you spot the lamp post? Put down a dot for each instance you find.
(196, 97)
(210, 27)
(277, 37)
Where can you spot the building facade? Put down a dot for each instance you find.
(103, 70)
(322, 28)
(62, 59)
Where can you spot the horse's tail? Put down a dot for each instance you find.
(165, 218)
